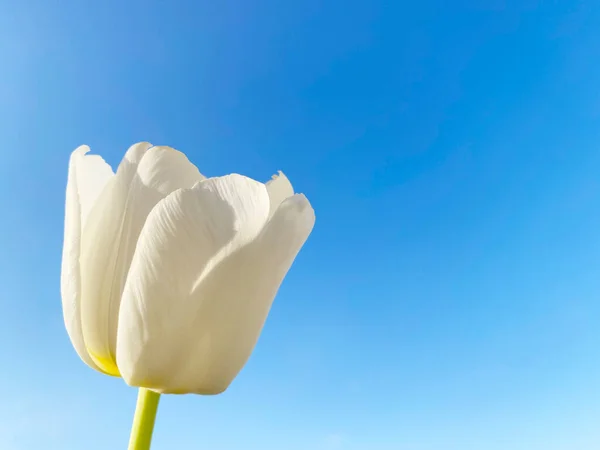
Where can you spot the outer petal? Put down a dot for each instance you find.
(179, 335)
(88, 175)
(279, 188)
(146, 175)
(187, 235)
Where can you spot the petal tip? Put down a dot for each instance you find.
(299, 204)
(277, 175)
(300, 201)
(81, 150)
(142, 144)
(135, 153)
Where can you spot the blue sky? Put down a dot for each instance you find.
(448, 298)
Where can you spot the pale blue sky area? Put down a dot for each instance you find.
(449, 296)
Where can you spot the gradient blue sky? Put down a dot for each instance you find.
(448, 298)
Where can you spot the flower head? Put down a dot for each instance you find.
(167, 276)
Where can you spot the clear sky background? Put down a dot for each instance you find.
(448, 298)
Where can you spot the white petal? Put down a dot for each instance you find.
(279, 188)
(187, 235)
(88, 175)
(145, 176)
(179, 335)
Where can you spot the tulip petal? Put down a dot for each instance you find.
(186, 235)
(187, 326)
(145, 176)
(279, 188)
(88, 175)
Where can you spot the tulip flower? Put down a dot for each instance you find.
(168, 276)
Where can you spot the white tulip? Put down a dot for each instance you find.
(167, 276)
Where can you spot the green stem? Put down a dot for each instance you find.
(143, 421)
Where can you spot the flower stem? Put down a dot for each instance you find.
(143, 421)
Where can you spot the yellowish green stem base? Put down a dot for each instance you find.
(143, 421)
